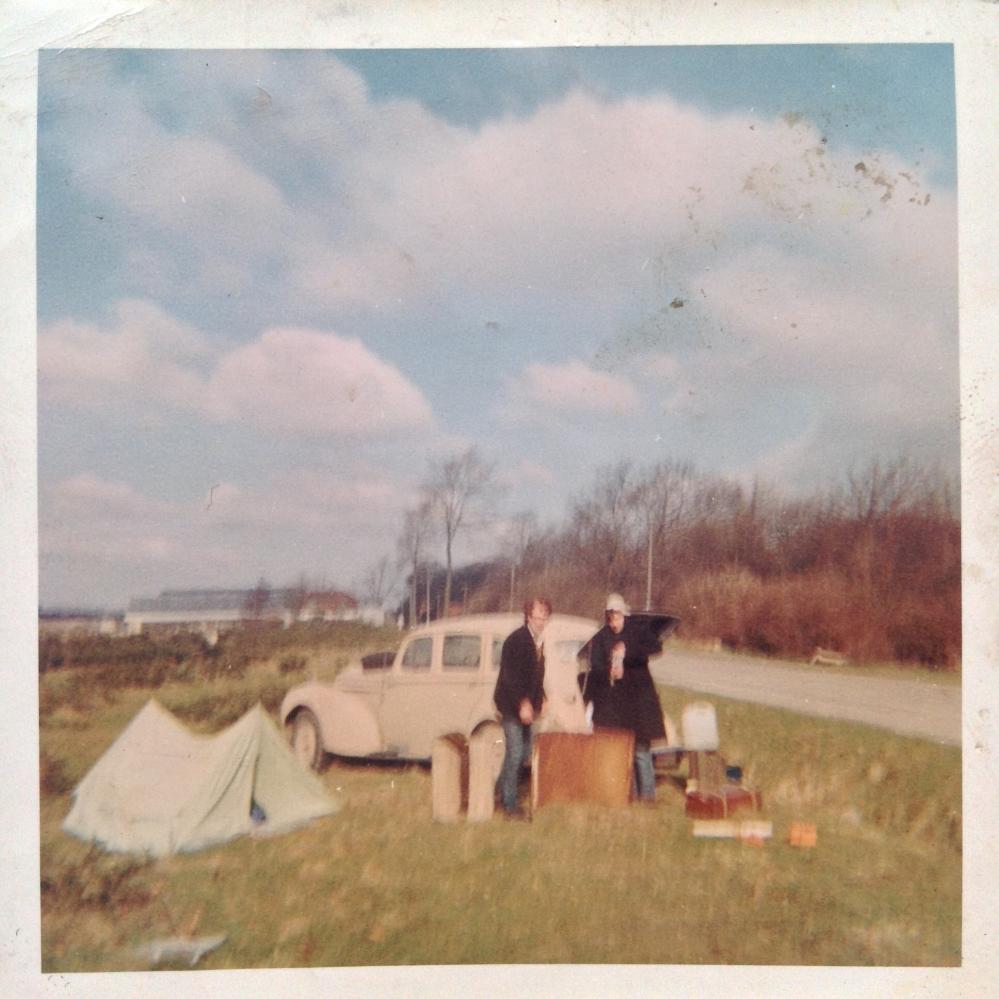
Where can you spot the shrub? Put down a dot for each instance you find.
(214, 710)
(50, 653)
(292, 664)
(96, 881)
(130, 652)
(52, 777)
(923, 633)
(791, 615)
(225, 665)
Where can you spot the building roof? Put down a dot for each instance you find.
(184, 601)
(331, 601)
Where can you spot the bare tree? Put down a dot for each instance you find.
(603, 522)
(257, 600)
(378, 582)
(296, 596)
(454, 488)
(660, 498)
(417, 532)
(520, 533)
(879, 490)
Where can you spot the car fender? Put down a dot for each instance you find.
(347, 725)
(482, 713)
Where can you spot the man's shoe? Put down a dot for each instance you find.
(518, 815)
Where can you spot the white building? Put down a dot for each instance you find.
(213, 611)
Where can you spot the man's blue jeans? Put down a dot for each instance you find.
(645, 774)
(518, 751)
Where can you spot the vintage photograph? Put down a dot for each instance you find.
(499, 506)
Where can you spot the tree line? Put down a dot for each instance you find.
(869, 566)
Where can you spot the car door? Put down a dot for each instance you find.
(431, 691)
(407, 694)
(465, 680)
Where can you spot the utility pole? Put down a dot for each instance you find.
(648, 574)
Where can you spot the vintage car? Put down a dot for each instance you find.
(440, 683)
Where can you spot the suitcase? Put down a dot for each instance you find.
(448, 778)
(593, 768)
(710, 792)
(720, 804)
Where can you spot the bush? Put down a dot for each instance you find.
(225, 665)
(52, 777)
(263, 643)
(213, 710)
(292, 664)
(97, 881)
(791, 615)
(923, 633)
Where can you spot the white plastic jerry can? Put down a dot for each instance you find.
(700, 726)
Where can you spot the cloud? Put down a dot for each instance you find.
(101, 522)
(530, 473)
(578, 196)
(289, 381)
(820, 328)
(602, 206)
(279, 524)
(309, 383)
(732, 285)
(87, 490)
(144, 351)
(571, 388)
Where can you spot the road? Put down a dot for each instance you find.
(921, 708)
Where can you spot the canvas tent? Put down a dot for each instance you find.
(161, 789)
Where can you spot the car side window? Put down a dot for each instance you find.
(497, 653)
(461, 652)
(418, 654)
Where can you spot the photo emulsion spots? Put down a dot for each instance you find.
(356, 365)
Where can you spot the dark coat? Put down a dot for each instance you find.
(521, 674)
(632, 702)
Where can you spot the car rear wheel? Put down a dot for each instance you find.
(306, 740)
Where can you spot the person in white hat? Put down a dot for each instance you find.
(620, 686)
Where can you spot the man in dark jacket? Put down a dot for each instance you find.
(520, 695)
(620, 686)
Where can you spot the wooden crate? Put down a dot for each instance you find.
(707, 770)
(593, 768)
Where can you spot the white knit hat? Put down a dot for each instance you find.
(615, 602)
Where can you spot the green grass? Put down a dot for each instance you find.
(381, 884)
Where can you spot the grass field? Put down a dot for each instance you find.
(381, 884)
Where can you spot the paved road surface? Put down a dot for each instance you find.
(920, 708)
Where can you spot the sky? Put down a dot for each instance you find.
(275, 286)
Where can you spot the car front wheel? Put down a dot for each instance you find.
(306, 741)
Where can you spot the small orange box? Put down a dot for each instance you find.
(803, 834)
